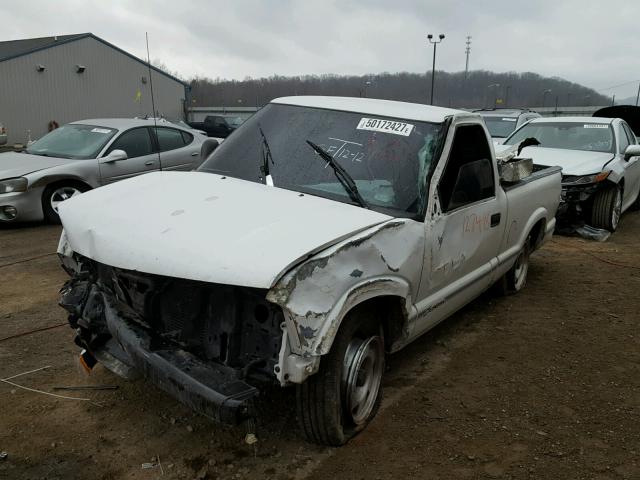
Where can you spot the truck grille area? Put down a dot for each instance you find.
(230, 325)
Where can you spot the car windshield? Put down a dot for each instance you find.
(590, 136)
(73, 141)
(388, 158)
(234, 121)
(500, 127)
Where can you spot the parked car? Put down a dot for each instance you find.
(3, 135)
(84, 155)
(600, 160)
(217, 126)
(501, 122)
(324, 233)
(183, 124)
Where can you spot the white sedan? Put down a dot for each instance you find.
(600, 160)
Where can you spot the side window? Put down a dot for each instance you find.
(468, 175)
(187, 138)
(136, 142)
(219, 122)
(169, 139)
(623, 142)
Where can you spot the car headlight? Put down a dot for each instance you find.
(570, 180)
(11, 185)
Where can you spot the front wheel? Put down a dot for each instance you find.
(54, 195)
(607, 208)
(343, 397)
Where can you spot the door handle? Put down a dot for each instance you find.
(195, 154)
(495, 219)
(149, 163)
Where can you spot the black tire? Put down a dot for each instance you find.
(515, 279)
(321, 399)
(607, 208)
(56, 190)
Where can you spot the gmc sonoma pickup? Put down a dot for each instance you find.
(325, 233)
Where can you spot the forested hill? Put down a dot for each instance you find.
(479, 89)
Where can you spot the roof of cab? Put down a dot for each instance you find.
(370, 106)
(572, 120)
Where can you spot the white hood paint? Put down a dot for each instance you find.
(573, 162)
(14, 164)
(201, 226)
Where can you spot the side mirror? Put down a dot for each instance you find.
(632, 151)
(114, 156)
(206, 149)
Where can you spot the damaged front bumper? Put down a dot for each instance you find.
(213, 361)
(575, 200)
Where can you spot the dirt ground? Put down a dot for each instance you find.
(542, 385)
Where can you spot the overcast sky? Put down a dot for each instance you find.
(595, 43)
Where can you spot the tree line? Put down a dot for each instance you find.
(477, 89)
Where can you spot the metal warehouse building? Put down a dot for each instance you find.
(74, 77)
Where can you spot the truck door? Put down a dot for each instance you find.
(464, 229)
(141, 156)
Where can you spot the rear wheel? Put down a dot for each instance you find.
(344, 396)
(57, 193)
(607, 208)
(515, 279)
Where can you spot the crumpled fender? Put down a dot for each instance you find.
(316, 295)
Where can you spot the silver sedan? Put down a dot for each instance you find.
(88, 154)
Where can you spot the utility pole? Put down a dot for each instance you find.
(433, 68)
(638, 95)
(467, 52)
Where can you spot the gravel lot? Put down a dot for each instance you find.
(545, 384)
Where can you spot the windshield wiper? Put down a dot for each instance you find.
(266, 156)
(341, 174)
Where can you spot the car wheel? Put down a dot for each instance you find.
(55, 194)
(343, 397)
(607, 208)
(516, 278)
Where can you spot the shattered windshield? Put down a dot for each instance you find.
(596, 137)
(387, 158)
(500, 127)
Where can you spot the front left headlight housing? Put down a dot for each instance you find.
(571, 180)
(11, 185)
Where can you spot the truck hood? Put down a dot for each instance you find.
(14, 164)
(206, 227)
(573, 162)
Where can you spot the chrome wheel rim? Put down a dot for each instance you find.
(362, 377)
(617, 210)
(61, 194)
(520, 270)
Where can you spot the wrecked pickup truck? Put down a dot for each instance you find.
(325, 233)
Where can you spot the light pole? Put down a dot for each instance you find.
(544, 96)
(495, 96)
(363, 92)
(433, 68)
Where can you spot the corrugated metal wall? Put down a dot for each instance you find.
(107, 88)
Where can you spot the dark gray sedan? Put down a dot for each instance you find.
(87, 154)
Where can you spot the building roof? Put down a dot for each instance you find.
(18, 48)
(370, 106)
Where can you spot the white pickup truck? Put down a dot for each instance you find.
(323, 234)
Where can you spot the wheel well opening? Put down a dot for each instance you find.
(537, 233)
(390, 312)
(71, 182)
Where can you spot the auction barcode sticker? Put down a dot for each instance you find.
(595, 125)
(386, 126)
(101, 130)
